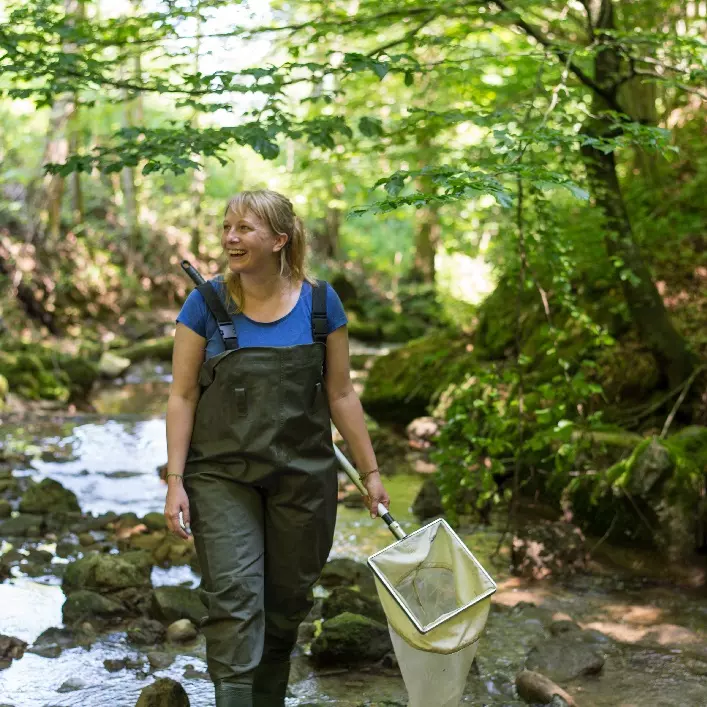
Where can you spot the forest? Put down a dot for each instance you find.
(505, 195)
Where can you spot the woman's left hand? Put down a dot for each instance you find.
(376, 493)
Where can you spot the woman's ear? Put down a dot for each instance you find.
(280, 242)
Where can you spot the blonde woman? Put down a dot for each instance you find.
(261, 366)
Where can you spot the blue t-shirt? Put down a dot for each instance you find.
(292, 329)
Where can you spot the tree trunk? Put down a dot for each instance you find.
(198, 181)
(644, 302)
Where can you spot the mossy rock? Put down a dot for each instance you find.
(652, 498)
(350, 638)
(401, 385)
(159, 349)
(85, 605)
(49, 497)
(367, 331)
(173, 603)
(108, 573)
(344, 599)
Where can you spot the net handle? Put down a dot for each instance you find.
(383, 513)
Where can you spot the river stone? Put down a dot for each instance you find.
(25, 525)
(155, 521)
(72, 685)
(86, 539)
(428, 503)
(84, 604)
(538, 689)
(159, 660)
(173, 603)
(344, 572)
(563, 660)
(5, 509)
(181, 631)
(163, 693)
(114, 665)
(106, 573)
(49, 496)
(349, 638)
(50, 643)
(145, 632)
(11, 648)
(345, 599)
(100, 522)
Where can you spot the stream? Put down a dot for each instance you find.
(652, 632)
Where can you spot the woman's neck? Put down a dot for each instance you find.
(261, 288)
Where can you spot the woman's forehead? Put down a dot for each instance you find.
(240, 214)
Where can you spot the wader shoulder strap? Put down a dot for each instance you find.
(223, 320)
(320, 327)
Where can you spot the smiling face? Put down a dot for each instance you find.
(250, 244)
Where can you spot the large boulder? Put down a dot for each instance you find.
(550, 549)
(401, 385)
(172, 603)
(350, 638)
(346, 600)
(651, 498)
(49, 496)
(145, 632)
(163, 693)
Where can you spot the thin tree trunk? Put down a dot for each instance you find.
(644, 302)
(198, 180)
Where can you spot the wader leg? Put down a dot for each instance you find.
(227, 522)
(300, 514)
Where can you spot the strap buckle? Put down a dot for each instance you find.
(228, 331)
(319, 326)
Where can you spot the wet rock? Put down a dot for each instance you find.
(5, 571)
(89, 523)
(111, 365)
(40, 556)
(181, 631)
(538, 689)
(563, 660)
(159, 660)
(145, 632)
(344, 572)
(106, 573)
(173, 603)
(9, 485)
(167, 549)
(345, 599)
(25, 525)
(72, 685)
(86, 539)
(5, 509)
(84, 604)
(67, 548)
(11, 648)
(552, 549)
(306, 632)
(565, 628)
(127, 520)
(349, 638)
(49, 496)
(316, 611)
(428, 503)
(191, 673)
(155, 521)
(50, 643)
(114, 665)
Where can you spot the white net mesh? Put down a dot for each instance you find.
(436, 597)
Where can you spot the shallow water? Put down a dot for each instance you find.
(656, 655)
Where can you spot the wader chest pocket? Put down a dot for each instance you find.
(241, 402)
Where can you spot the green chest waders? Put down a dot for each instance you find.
(261, 477)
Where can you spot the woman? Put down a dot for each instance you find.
(250, 455)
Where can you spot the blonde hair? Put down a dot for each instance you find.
(277, 212)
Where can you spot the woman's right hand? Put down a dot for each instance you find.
(177, 500)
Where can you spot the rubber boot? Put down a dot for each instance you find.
(270, 684)
(233, 695)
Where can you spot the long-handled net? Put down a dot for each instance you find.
(436, 597)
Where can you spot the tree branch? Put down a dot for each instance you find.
(561, 54)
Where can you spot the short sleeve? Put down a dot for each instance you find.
(194, 313)
(336, 317)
